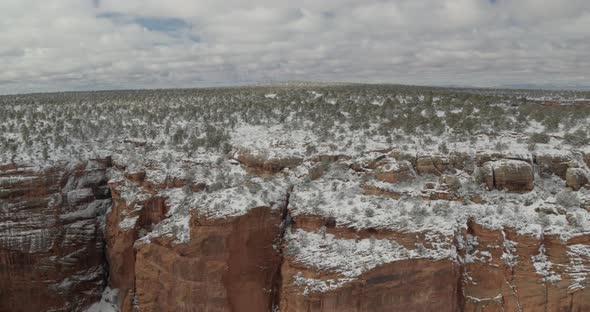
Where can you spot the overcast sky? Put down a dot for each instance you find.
(111, 44)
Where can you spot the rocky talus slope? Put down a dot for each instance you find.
(390, 230)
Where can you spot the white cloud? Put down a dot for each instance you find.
(97, 44)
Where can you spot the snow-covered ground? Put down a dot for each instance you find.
(336, 134)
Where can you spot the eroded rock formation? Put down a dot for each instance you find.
(510, 175)
(51, 236)
(345, 240)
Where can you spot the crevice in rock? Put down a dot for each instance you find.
(461, 255)
(106, 265)
(494, 177)
(514, 289)
(510, 281)
(278, 278)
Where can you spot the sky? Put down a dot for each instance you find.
(62, 45)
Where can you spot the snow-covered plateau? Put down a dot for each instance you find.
(295, 198)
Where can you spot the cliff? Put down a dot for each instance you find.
(51, 236)
(267, 240)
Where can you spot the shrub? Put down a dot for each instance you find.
(578, 138)
(441, 209)
(481, 175)
(568, 199)
(531, 146)
(539, 138)
(442, 147)
(501, 146)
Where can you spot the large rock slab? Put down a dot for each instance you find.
(511, 175)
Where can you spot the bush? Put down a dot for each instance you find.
(441, 209)
(578, 138)
(531, 146)
(442, 147)
(501, 146)
(568, 199)
(539, 138)
(481, 175)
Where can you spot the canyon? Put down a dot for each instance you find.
(71, 231)
(306, 198)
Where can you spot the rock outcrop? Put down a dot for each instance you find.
(434, 164)
(510, 175)
(228, 265)
(495, 270)
(264, 164)
(505, 271)
(554, 164)
(408, 285)
(51, 236)
(390, 171)
(576, 178)
(223, 263)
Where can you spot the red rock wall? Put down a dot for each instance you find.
(482, 280)
(228, 265)
(409, 285)
(51, 241)
(51, 257)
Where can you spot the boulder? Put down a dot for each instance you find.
(400, 155)
(576, 178)
(263, 164)
(554, 164)
(392, 171)
(434, 164)
(452, 182)
(512, 176)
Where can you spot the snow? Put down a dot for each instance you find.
(109, 302)
(349, 257)
(509, 254)
(579, 268)
(311, 285)
(128, 223)
(544, 267)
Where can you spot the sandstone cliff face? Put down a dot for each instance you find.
(496, 270)
(418, 284)
(506, 271)
(215, 264)
(51, 237)
(407, 285)
(229, 265)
